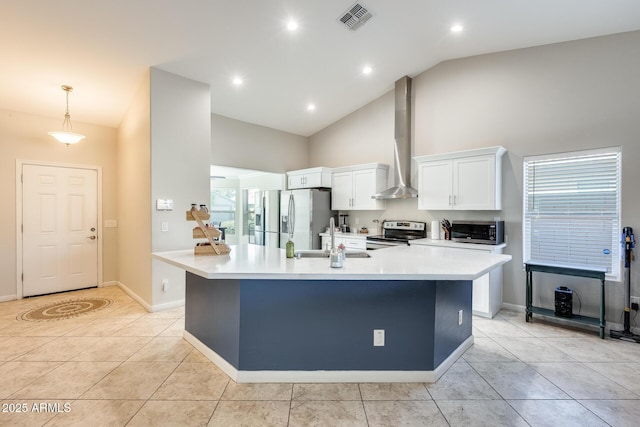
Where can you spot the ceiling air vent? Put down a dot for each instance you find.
(355, 16)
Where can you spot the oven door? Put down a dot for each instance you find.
(379, 244)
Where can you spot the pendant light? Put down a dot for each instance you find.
(66, 136)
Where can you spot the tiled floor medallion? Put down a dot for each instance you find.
(65, 309)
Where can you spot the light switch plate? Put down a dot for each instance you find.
(164, 205)
(164, 226)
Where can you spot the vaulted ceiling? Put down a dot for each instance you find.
(102, 48)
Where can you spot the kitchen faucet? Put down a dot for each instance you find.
(335, 257)
(332, 233)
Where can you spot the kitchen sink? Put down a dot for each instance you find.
(324, 254)
(357, 254)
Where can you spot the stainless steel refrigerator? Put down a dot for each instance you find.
(267, 220)
(304, 214)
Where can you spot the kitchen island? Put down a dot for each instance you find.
(264, 318)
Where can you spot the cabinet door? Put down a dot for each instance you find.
(474, 183)
(364, 186)
(341, 191)
(480, 303)
(295, 181)
(435, 185)
(313, 180)
(353, 243)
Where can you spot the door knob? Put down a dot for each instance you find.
(92, 237)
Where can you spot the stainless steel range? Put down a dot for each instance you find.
(397, 233)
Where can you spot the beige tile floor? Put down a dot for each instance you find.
(124, 366)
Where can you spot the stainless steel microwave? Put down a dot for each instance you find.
(487, 232)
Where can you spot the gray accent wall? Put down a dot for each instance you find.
(249, 146)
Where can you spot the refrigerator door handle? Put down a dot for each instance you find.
(292, 215)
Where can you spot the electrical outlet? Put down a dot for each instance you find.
(165, 285)
(635, 300)
(378, 337)
(459, 317)
(634, 306)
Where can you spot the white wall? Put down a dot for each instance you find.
(163, 153)
(24, 136)
(245, 145)
(180, 149)
(561, 97)
(134, 188)
(364, 136)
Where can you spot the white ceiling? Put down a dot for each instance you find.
(102, 48)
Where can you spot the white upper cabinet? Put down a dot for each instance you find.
(464, 180)
(352, 187)
(309, 178)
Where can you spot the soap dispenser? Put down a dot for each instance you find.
(336, 257)
(289, 248)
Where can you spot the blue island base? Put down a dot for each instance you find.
(322, 330)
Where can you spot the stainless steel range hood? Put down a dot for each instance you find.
(402, 148)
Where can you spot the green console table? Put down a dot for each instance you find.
(545, 267)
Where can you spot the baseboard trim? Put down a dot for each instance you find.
(327, 376)
(455, 355)
(167, 305)
(143, 303)
(218, 360)
(5, 298)
(111, 283)
(135, 296)
(513, 307)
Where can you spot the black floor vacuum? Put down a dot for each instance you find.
(629, 243)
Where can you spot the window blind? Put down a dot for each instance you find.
(571, 212)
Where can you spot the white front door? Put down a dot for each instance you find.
(60, 229)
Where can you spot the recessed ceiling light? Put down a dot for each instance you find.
(457, 28)
(311, 107)
(367, 70)
(237, 81)
(292, 25)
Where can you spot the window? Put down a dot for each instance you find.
(223, 209)
(571, 212)
(249, 213)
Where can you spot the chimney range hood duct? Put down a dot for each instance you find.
(402, 148)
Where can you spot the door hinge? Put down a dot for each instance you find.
(22, 277)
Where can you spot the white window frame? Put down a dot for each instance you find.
(566, 229)
(232, 211)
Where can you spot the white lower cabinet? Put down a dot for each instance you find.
(487, 289)
(351, 242)
(487, 294)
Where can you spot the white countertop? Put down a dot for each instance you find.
(395, 263)
(453, 244)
